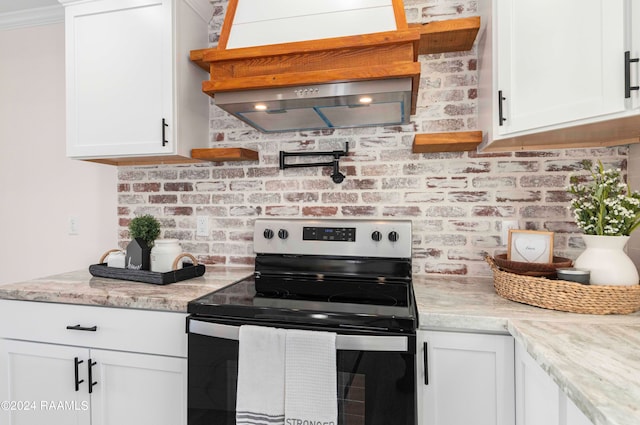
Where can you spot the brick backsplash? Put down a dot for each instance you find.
(456, 201)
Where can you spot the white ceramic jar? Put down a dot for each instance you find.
(606, 260)
(116, 259)
(163, 253)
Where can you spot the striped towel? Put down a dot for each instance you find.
(261, 376)
(311, 388)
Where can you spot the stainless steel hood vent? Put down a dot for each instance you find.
(322, 106)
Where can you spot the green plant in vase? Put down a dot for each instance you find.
(607, 211)
(604, 205)
(145, 227)
(143, 230)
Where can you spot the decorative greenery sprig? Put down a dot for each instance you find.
(605, 205)
(145, 227)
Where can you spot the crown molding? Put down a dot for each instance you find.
(31, 17)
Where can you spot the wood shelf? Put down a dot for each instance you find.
(460, 141)
(224, 154)
(453, 35)
(145, 160)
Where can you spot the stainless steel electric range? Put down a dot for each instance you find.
(351, 277)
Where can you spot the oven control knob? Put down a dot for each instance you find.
(283, 234)
(268, 233)
(376, 236)
(393, 236)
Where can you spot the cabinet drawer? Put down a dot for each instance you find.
(142, 331)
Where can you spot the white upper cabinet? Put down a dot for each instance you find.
(559, 61)
(549, 67)
(131, 89)
(632, 14)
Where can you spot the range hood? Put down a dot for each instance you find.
(322, 106)
(320, 83)
(314, 65)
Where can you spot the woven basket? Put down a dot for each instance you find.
(563, 295)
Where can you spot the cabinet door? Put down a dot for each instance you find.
(559, 61)
(38, 382)
(537, 396)
(119, 77)
(470, 379)
(539, 400)
(134, 389)
(633, 22)
(574, 416)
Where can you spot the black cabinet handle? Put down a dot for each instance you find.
(91, 382)
(164, 127)
(426, 363)
(627, 74)
(82, 328)
(501, 118)
(77, 382)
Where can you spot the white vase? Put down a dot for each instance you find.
(163, 254)
(607, 261)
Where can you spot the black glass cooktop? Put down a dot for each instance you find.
(359, 304)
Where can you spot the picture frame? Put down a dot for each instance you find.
(530, 246)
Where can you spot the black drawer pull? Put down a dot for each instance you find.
(82, 328)
(627, 74)
(91, 382)
(501, 118)
(426, 363)
(77, 363)
(164, 137)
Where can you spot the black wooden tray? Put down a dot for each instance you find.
(188, 271)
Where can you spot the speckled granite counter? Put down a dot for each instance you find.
(594, 359)
(79, 287)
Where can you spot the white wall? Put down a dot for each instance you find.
(40, 189)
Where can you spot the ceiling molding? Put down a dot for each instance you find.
(31, 17)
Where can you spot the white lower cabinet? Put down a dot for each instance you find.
(465, 378)
(35, 378)
(539, 400)
(53, 372)
(138, 389)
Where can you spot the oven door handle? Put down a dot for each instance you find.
(343, 342)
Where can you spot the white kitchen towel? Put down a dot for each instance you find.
(310, 383)
(261, 372)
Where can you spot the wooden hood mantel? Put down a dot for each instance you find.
(382, 55)
(355, 58)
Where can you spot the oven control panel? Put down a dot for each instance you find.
(338, 234)
(363, 238)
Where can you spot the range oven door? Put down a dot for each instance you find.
(376, 375)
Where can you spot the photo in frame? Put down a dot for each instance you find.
(530, 246)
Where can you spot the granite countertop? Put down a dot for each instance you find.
(594, 359)
(79, 287)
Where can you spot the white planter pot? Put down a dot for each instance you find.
(607, 261)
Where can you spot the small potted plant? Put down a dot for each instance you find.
(143, 231)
